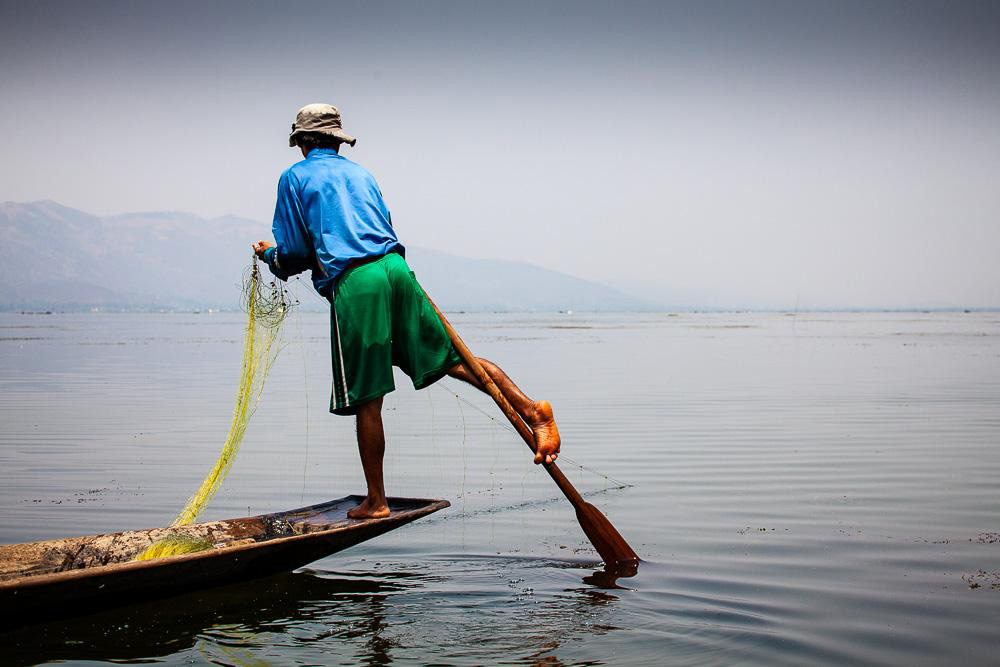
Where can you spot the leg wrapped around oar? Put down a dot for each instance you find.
(536, 414)
(609, 543)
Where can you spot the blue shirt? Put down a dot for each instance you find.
(329, 213)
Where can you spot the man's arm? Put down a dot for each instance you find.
(293, 252)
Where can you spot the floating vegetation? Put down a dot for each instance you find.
(266, 307)
(982, 579)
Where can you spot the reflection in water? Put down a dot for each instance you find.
(224, 618)
(371, 618)
(544, 658)
(609, 576)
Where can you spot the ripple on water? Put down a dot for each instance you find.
(808, 489)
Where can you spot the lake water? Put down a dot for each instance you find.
(803, 489)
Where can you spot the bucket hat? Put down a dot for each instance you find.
(319, 119)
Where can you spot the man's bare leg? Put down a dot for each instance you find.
(371, 445)
(536, 414)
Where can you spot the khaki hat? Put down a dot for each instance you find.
(319, 119)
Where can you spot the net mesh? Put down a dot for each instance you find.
(174, 545)
(266, 306)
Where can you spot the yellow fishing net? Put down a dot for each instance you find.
(266, 307)
(173, 546)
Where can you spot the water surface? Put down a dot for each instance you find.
(804, 489)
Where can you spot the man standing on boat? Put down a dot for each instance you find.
(330, 218)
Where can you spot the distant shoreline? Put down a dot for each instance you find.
(104, 310)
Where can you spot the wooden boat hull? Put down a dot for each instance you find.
(75, 575)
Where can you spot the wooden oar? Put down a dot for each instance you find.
(609, 543)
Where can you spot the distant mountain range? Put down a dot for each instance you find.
(59, 258)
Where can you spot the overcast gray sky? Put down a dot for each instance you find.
(825, 154)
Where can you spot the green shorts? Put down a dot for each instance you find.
(380, 318)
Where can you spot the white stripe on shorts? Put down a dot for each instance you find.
(340, 356)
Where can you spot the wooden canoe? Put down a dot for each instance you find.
(77, 574)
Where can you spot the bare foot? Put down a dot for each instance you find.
(543, 425)
(369, 509)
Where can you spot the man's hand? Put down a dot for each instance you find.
(260, 246)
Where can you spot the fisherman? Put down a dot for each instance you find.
(330, 218)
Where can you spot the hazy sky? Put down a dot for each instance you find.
(830, 154)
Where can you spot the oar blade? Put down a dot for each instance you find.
(606, 539)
